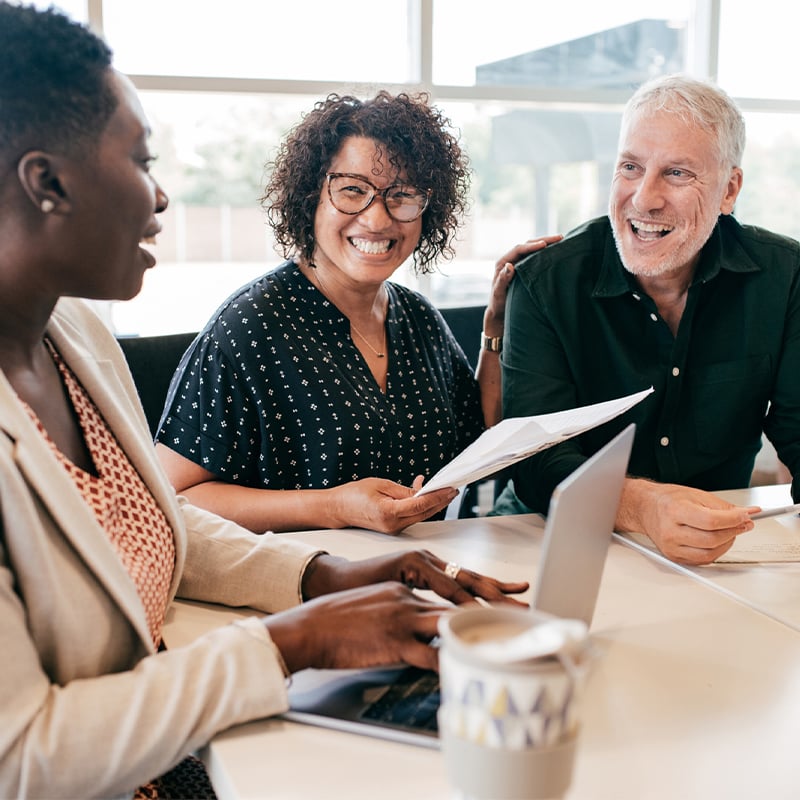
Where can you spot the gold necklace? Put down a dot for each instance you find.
(366, 341)
(361, 336)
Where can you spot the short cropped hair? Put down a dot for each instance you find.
(54, 88)
(698, 102)
(415, 138)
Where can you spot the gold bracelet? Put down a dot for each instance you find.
(493, 344)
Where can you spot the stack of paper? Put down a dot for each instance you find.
(519, 437)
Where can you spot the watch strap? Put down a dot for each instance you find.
(492, 343)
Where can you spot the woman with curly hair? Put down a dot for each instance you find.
(323, 377)
(94, 543)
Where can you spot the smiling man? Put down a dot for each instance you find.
(668, 290)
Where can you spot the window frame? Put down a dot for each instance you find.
(703, 62)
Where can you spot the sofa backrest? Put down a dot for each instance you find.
(153, 361)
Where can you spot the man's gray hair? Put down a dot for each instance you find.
(698, 102)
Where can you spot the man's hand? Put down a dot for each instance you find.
(687, 525)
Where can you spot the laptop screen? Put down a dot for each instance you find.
(400, 704)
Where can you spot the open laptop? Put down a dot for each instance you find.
(400, 703)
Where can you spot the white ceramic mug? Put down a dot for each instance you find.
(508, 719)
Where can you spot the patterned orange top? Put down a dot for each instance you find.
(122, 504)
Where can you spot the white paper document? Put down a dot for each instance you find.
(516, 438)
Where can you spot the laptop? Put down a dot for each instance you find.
(400, 703)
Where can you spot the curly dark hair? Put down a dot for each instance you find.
(416, 140)
(54, 88)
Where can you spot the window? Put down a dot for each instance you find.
(254, 39)
(752, 67)
(76, 9)
(569, 45)
(535, 96)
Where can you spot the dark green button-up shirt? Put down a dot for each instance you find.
(579, 330)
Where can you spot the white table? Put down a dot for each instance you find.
(774, 588)
(695, 695)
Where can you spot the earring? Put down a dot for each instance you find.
(47, 205)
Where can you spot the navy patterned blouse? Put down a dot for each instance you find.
(274, 394)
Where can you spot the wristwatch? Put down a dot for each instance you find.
(491, 343)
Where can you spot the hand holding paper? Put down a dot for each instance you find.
(516, 438)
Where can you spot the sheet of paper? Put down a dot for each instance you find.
(516, 438)
(771, 540)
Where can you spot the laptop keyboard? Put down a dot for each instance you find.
(410, 702)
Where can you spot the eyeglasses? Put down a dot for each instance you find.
(352, 194)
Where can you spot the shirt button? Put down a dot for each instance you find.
(664, 441)
(654, 317)
(636, 296)
(675, 372)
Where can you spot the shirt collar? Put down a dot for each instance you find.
(722, 251)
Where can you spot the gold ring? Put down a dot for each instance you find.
(452, 569)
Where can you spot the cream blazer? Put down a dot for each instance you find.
(86, 707)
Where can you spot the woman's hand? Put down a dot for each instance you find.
(417, 569)
(364, 627)
(365, 613)
(382, 505)
(488, 372)
(493, 321)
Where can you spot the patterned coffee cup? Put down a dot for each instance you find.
(508, 722)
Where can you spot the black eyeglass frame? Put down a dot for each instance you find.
(376, 192)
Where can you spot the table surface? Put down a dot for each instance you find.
(695, 693)
(773, 588)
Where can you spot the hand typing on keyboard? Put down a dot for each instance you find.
(366, 614)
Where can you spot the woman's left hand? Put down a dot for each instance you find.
(493, 321)
(418, 569)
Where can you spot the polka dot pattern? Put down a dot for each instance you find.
(122, 504)
(275, 394)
